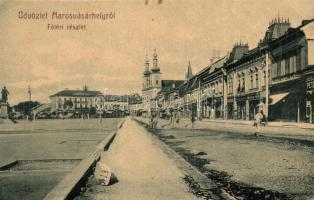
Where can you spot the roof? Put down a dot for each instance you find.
(167, 86)
(76, 93)
(219, 63)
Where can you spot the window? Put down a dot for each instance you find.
(230, 86)
(278, 69)
(252, 84)
(264, 75)
(292, 64)
(256, 80)
(156, 82)
(243, 84)
(287, 66)
(274, 70)
(283, 71)
(298, 62)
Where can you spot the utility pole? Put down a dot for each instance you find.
(29, 93)
(267, 84)
(199, 100)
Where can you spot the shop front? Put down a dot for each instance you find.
(218, 108)
(230, 108)
(254, 102)
(288, 105)
(241, 108)
(310, 99)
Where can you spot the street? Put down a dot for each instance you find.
(266, 167)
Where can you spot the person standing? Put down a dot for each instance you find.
(193, 119)
(257, 122)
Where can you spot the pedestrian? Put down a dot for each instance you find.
(155, 122)
(257, 122)
(151, 119)
(193, 119)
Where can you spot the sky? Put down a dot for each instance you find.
(109, 54)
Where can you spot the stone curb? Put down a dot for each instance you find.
(188, 169)
(70, 185)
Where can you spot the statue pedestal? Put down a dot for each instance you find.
(4, 110)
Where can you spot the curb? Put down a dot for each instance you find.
(204, 182)
(70, 185)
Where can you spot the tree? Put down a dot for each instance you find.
(25, 107)
(68, 104)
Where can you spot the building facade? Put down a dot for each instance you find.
(73, 101)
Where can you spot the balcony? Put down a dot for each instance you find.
(285, 78)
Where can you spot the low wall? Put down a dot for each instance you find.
(70, 186)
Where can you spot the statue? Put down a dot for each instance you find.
(4, 95)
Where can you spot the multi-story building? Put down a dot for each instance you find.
(291, 56)
(73, 101)
(83, 102)
(245, 82)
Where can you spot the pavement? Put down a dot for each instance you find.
(143, 170)
(46, 151)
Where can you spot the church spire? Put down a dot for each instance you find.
(189, 73)
(146, 69)
(155, 67)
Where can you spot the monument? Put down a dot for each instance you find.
(4, 103)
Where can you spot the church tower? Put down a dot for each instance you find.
(155, 75)
(146, 74)
(189, 73)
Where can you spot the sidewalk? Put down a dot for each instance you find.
(144, 171)
(245, 127)
(273, 124)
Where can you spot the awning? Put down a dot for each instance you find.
(277, 97)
